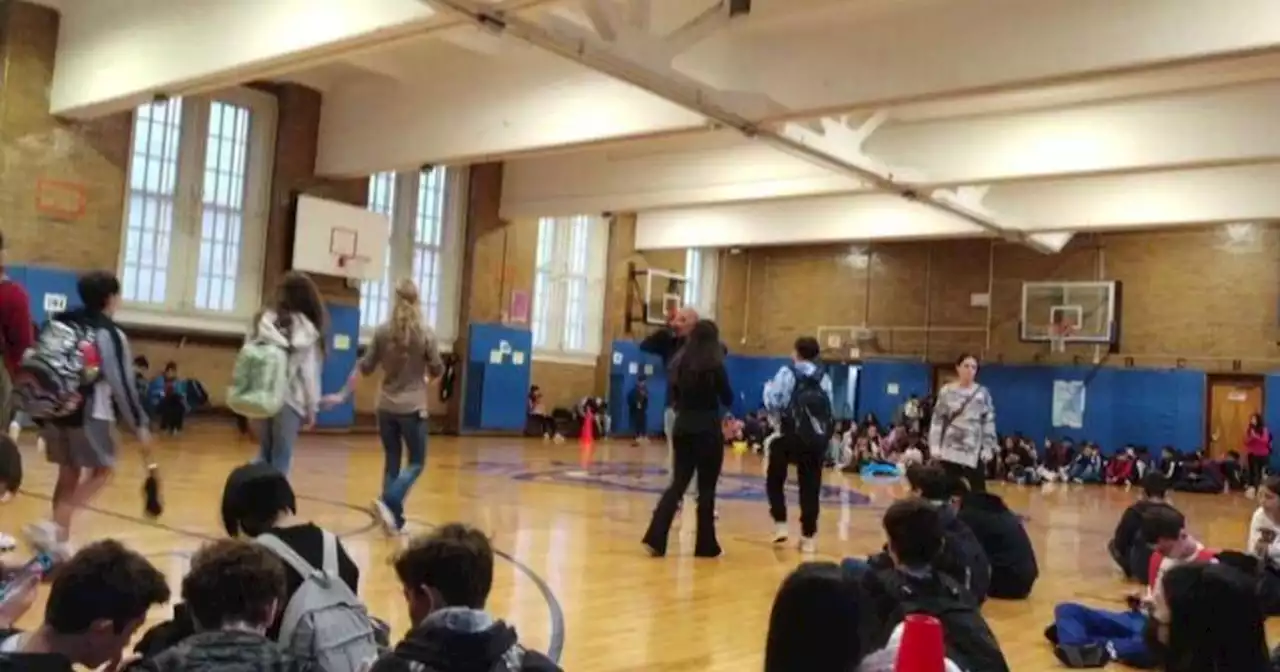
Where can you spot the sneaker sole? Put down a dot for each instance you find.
(384, 515)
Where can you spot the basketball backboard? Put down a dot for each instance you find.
(339, 239)
(1075, 312)
(663, 295)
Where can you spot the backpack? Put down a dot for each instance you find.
(260, 380)
(809, 417)
(56, 372)
(969, 641)
(324, 624)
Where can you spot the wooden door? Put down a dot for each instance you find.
(1231, 402)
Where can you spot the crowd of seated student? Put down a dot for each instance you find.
(238, 590)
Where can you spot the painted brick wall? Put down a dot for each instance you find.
(1201, 295)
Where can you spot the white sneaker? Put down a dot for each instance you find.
(780, 533)
(1250, 492)
(40, 445)
(7, 543)
(15, 430)
(43, 536)
(385, 516)
(808, 545)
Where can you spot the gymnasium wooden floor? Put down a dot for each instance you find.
(573, 578)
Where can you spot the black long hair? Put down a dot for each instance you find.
(297, 293)
(1215, 621)
(815, 622)
(254, 498)
(701, 352)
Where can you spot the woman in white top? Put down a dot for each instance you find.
(962, 434)
(295, 321)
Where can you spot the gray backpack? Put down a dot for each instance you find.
(324, 624)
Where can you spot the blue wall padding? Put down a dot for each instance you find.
(747, 376)
(875, 379)
(344, 320)
(1271, 414)
(42, 280)
(626, 365)
(498, 363)
(1148, 407)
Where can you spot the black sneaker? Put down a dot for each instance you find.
(1088, 655)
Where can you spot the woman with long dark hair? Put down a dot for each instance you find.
(1257, 446)
(296, 321)
(700, 388)
(1207, 618)
(962, 434)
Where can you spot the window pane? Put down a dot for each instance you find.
(541, 312)
(222, 206)
(157, 129)
(428, 235)
(375, 295)
(692, 277)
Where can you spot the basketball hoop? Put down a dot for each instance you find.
(1058, 335)
(352, 266)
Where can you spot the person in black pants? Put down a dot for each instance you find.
(700, 387)
(638, 408)
(801, 394)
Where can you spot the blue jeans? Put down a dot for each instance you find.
(398, 431)
(276, 438)
(1078, 625)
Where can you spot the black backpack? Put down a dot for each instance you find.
(969, 641)
(809, 417)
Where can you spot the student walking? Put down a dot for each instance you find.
(408, 353)
(83, 442)
(801, 395)
(962, 434)
(700, 389)
(296, 322)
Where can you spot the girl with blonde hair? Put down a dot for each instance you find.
(408, 354)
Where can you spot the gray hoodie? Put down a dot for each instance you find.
(302, 340)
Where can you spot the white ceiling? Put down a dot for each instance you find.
(1009, 116)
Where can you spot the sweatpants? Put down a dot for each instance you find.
(1078, 625)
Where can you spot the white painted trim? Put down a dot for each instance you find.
(179, 324)
(574, 359)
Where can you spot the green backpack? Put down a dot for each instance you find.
(260, 380)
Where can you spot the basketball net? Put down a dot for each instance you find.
(1058, 334)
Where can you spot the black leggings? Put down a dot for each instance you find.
(975, 476)
(1256, 464)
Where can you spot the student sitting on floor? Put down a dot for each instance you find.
(1021, 466)
(1122, 468)
(1199, 474)
(962, 557)
(910, 584)
(168, 395)
(1127, 547)
(1087, 467)
(1088, 637)
(1004, 540)
(1057, 459)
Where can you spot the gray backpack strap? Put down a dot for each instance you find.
(330, 554)
(287, 554)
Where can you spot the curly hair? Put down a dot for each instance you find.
(104, 580)
(234, 581)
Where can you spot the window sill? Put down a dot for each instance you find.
(570, 358)
(198, 328)
(366, 337)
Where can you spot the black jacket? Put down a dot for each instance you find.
(1129, 529)
(963, 558)
(463, 641)
(1005, 542)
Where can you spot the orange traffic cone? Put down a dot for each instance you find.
(586, 437)
(921, 649)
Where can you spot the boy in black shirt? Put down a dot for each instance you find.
(1127, 547)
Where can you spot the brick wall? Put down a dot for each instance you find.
(35, 146)
(1200, 295)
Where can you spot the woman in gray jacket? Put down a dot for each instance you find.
(962, 434)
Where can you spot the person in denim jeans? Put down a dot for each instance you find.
(407, 351)
(296, 321)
